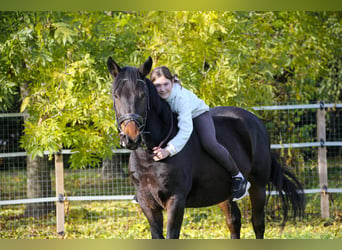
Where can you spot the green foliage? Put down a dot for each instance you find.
(69, 98)
(249, 58)
(8, 91)
(57, 62)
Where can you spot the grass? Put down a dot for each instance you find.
(123, 220)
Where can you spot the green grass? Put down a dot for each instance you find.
(123, 220)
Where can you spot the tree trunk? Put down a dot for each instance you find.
(38, 186)
(38, 178)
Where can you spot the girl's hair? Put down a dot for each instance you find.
(164, 71)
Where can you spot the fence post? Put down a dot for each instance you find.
(322, 161)
(59, 172)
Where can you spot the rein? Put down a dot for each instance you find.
(169, 134)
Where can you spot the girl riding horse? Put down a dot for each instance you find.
(192, 112)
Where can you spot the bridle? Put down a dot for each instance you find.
(138, 119)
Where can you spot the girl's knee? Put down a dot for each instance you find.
(210, 145)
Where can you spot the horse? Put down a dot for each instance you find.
(192, 178)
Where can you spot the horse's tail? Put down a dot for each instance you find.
(289, 188)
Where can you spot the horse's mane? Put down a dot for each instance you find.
(156, 102)
(163, 110)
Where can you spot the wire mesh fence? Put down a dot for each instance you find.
(102, 194)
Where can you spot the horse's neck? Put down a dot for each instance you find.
(159, 120)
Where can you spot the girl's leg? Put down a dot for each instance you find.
(205, 128)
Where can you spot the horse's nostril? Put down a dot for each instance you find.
(123, 139)
(122, 136)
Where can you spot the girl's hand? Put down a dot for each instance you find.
(160, 153)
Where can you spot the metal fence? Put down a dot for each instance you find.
(295, 137)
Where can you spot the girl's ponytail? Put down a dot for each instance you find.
(176, 79)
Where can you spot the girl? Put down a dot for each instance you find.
(193, 113)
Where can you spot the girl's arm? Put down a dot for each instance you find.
(185, 129)
(183, 109)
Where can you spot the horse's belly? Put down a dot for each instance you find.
(210, 188)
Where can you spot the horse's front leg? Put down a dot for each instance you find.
(175, 212)
(155, 220)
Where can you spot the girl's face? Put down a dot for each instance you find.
(163, 86)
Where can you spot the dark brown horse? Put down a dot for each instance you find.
(192, 178)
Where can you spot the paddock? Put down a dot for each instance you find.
(96, 202)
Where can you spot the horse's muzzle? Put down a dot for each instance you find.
(128, 142)
(130, 134)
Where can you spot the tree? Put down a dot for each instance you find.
(69, 101)
(61, 90)
(249, 58)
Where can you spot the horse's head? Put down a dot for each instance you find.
(130, 97)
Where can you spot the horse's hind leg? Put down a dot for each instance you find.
(258, 200)
(233, 218)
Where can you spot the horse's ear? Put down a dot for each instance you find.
(146, 67)
(113, 68)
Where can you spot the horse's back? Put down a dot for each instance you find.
(240, 125)
(250, 122)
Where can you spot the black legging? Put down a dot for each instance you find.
(205, 128)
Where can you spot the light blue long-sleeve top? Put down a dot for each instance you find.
(188, 106)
